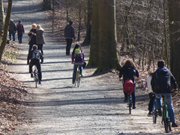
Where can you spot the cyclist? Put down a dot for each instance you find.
(34, 58)
(128, 71)
(163, 85)
(77, 60)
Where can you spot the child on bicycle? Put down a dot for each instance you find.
(151, 93)
(129, 72)
(77, 60)
(34, 57)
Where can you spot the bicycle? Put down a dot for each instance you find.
(165, 115)
(78, 77)
(35, 75)
(129, 103)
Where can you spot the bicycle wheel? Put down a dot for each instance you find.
(78, 79)
(154, 116)
(166, 120)
(36, 78)
(130, 104)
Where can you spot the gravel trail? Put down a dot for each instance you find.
(58, 108)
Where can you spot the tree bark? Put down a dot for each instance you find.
(107, 57)
(174, 27)
(93, 58)
(1, 17)
(89, 22)
(6, 26)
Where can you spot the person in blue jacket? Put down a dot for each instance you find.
(129, 72)
(165, 82)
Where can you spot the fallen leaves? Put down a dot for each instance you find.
(11, 95)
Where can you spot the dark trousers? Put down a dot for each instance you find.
(68, 46)
(30, 48)
(40, 47)
(20, 38)
(12, 34)
(38, 65)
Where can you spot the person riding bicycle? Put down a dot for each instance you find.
(34, 57)
(163, 82)
(129, 72)
(77, 60)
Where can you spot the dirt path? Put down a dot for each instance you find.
(57, 108)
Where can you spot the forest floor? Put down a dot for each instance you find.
(58, 108)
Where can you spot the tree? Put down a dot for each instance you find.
(94, 49)
(88, 23)
(1, 16)
(107, 38)
(6, 26)
(174, 26)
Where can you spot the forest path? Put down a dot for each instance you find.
(57, 108)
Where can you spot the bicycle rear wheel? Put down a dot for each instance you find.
(129, 104)
(166, 120)
(36, 77)
(167, 126)
(154, 116)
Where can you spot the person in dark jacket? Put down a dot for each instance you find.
(12, 30)
(69, 36)
(40, 38)
(20, 31)
(32, 38)
(165, 82)
(129, 72)
(34, 57)
(77, 60)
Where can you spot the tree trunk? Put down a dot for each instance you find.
(47, 4)
(80, 22)
(1, 17)
(174, 25)
(6, 26)
(107, 57)
(89, 21)
(93, 58)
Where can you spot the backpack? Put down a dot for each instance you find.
(129, 87)
(36, 55)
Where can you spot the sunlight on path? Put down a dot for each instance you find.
(96, 108)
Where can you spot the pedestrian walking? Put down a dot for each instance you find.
(69, 36)
(32, 38)
(40, 38)
(12, 30)
(20, 31)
